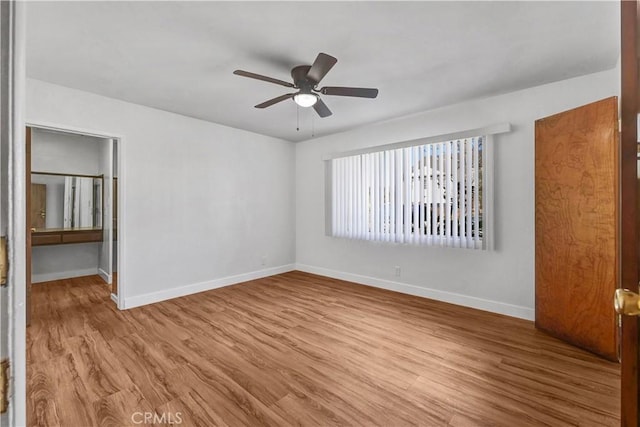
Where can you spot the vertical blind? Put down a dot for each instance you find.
(427, 194)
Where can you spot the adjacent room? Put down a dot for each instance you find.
(323, 213)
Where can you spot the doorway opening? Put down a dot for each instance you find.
(72, 212)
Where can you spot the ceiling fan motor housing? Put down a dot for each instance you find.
(299, 76)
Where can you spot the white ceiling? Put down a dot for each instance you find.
(179, 56)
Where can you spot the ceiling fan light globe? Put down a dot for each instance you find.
(305, 99)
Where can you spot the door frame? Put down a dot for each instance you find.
(121, 244)
(12, 132)
(630, 212)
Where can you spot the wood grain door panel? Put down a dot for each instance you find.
(38, 207)
(576, 179)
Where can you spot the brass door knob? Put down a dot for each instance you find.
(626, 302)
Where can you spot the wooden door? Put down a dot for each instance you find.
(576, 179)
(38, 208)
(630, 211)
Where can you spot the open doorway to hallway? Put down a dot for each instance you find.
(71, 209)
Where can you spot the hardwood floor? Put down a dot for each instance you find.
(299, 349)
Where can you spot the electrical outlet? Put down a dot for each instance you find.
(397, 271)
(263, 260)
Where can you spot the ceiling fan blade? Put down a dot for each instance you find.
(270, 102)
(359, 92)
(261, 77)
(322, 109)
(321, 67)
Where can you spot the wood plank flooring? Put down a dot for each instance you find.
(299, 349)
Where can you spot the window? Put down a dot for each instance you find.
(429, 194)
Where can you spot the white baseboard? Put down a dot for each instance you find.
(105, 276)
(114, 298)
(46, 277)
(150, 298)
(435, 294)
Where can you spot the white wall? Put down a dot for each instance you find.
(501, 280)
(203, 203)
(69, 154)
(65, 153)
(63, 261)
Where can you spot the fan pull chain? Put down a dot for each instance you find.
(297, 118)
(313, 126)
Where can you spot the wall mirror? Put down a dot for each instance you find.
(66, 202)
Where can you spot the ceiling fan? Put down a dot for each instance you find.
(306, 79)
